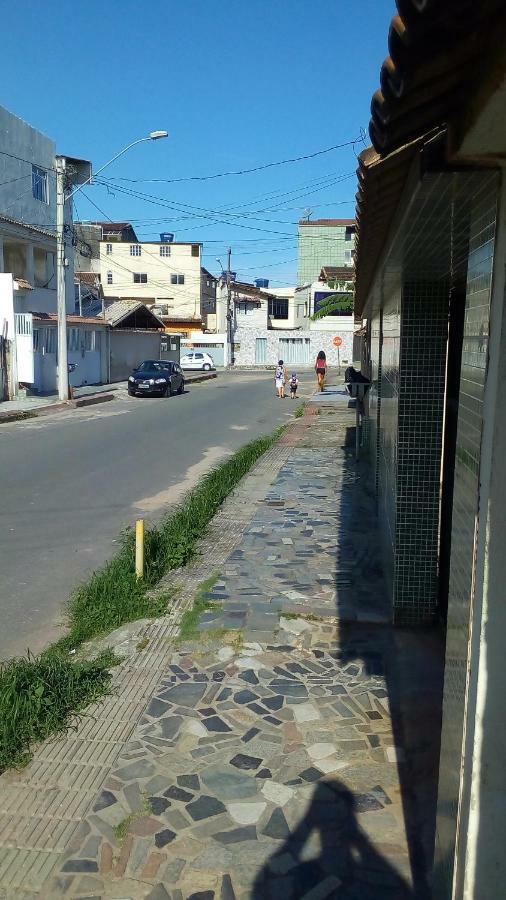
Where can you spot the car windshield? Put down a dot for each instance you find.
(153, 366)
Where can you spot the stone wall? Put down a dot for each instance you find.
(304, 353)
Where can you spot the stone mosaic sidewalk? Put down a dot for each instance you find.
(266, 765)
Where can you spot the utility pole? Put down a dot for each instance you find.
(61, 262)
(229, 308)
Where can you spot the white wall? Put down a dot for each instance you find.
(7, 304)
(129, 349)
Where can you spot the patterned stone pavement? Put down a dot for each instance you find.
(266, 763)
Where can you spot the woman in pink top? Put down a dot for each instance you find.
(321, 369)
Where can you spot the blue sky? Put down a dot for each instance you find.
(236, 84)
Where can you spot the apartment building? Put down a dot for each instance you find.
(324, 242)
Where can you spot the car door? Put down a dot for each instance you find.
(188, 360)
(199, 360)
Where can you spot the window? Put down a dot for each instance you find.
(39, 184)
(135, 249)
(349, 234)
(347, 255)
(109, 277)
(245, 309)
(73, 342)
(195, 250)
(177, 279)
(140, 278)
(108, 249)
(278, 309)
(165, 250)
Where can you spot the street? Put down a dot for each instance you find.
(72, 481)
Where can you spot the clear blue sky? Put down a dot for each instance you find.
(236, 84)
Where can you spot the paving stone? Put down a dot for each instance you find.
(157, 708)
(105, 799)
(159, 892)
(277, 793)
(189, 781)
(178, 793)
(306, 712)
(214, 723)
(227, 890)
(80, 865)
(277, 826)
(237, 835)
(249, 676)
(245, 696)
(170, 725)
(158, 805)
(242, 761)
(320, 751)
(229, 784)
(246, 813)
(164, 837)
(141, 769)
(204, 808)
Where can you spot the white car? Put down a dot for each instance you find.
(197, 360)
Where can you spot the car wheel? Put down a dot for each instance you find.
(168, 390)
(181, 388)
(131, 393)
(206, 367)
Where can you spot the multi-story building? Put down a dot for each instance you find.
(28, 253)
(324, 242)
(165, 274)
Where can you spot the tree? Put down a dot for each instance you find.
(335, 304)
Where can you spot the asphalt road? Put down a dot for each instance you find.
(71, 481)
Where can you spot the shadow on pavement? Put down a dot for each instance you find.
(347, 867)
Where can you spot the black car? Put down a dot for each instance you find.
(156, 377)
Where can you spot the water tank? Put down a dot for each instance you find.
(261, 282)
(166, 237)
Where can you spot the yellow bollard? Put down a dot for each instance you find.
(139, 548)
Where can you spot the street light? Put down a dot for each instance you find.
(62, 197)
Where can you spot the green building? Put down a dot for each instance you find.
(324, 242)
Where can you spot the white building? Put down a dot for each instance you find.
(27, 242)
(165, 274)
(267, 326)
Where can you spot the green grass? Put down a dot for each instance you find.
(299, 412)
(122, 829)
(41, 696)
(309, 617)
(189, 623)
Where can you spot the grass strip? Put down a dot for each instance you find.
(114, 596)
(188, 630)
(41, 696)
(299, 412)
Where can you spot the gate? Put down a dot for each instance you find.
(295, 351)
(24, 347)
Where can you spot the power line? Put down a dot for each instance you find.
(281, 162)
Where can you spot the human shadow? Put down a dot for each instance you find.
(345, 866)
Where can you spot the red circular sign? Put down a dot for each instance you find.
(338, 342)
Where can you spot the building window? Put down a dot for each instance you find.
(177, 279)
(195, 250)
(140, 278)
(245, 308)
(135, 249)
(347, 256)
(165, 250)
(349, 234)
(73, 339)
(109, 277)
(278, 309)
(108, 249)
(39, 184)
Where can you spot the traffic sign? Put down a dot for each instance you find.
(338, 341)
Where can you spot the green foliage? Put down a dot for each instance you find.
(334, 304)
(41, 696)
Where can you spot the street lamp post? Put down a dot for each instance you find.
(63, 196)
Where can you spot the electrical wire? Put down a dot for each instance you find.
(281, 162)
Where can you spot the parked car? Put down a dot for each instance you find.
(197, 360)
(156, 377)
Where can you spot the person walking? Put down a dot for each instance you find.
(294, 383)
(321, 369)
(280, 379)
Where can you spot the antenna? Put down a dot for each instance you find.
(307, 213)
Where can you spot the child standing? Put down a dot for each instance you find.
(294, 383)
(280, 379)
